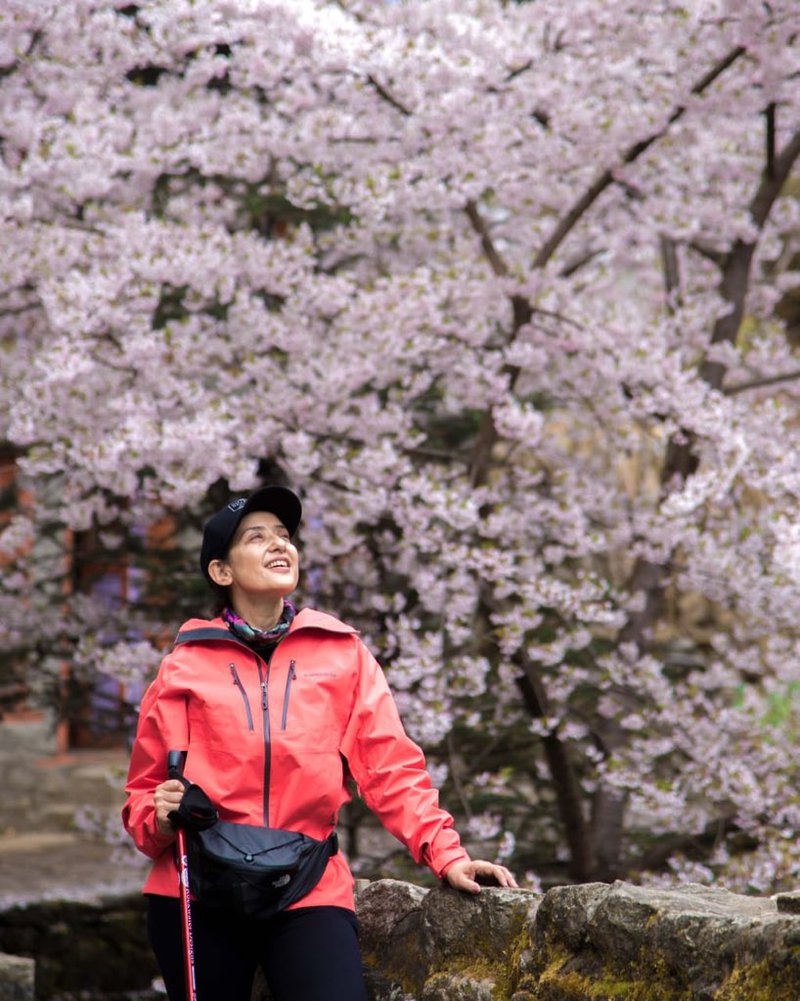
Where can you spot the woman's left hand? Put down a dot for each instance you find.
(461, 875)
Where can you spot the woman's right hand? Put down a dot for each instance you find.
(167, 797)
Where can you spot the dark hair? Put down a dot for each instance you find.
(220, 600)
(220, 593)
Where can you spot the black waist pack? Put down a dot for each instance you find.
(254, 871)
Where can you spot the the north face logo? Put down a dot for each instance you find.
(237, 505)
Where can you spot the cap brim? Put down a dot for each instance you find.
(280, 501)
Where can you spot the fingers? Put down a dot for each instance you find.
(459, 876)
(468, 885)
(468, 876)
(490, 874)
(166, 798)
(501, 875)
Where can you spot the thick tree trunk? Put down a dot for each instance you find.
(566, 786)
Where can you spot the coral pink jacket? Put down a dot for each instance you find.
(269, 744)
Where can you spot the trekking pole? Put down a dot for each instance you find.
(175, 763)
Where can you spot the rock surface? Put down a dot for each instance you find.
(16, 978)
(594, 942)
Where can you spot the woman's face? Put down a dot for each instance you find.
(261, 560)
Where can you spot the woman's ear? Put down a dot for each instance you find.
(220, 572)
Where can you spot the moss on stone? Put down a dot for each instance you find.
(388, 973)
(481, 970)
(649, 982)
(508, 969)
(761, 982)
(549, 971)
(577, 987)
(502, 972)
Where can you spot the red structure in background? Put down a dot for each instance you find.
(82, 571)
(11, 500)
(110, 583)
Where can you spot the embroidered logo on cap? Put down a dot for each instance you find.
(237, 505)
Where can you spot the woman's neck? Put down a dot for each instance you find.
(262, 615)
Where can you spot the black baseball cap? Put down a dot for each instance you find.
(220, 528)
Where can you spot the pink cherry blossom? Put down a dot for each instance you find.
(499, 289)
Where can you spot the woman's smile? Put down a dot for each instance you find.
(279, 563)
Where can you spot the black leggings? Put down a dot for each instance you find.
(308, 954)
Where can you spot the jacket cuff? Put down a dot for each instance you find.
(441, 861)
(152, 842)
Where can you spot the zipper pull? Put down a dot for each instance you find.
(287, 692)
(264, 704)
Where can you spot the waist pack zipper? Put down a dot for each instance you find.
(287, 693)
(238, 682)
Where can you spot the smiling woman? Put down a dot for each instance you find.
(260, 568)
(272, 706)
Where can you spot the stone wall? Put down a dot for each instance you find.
(16, 978)
(97, 946)
(594, 941)
(576, 943)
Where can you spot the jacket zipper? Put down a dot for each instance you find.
(287, 692)
(263, 677)
(238, 682)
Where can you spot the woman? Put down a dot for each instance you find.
(273, 705)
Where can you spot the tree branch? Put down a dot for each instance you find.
(672, 278)
(388, 97)
(604, 180)
(456, 779)
(19, 310)
(660, 853)
(577, 262)
(498, 265)
(767, 380)
(736, 272)
(487, 434)
(710, 253)
(769, 114)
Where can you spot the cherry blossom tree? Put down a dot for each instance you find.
(495, 287)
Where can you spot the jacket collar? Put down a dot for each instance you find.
(203, 630)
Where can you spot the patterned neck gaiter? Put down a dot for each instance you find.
(260, 637)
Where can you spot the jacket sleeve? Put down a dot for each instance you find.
(162, 727)
(391, 773)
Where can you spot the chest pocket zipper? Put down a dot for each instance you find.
(287, 693)
(238, 682)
